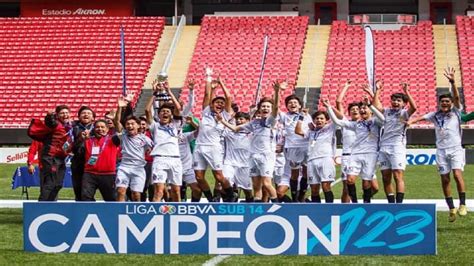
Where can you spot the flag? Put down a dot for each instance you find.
(122, 54)
(370, 56)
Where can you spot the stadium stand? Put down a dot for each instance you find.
(233, 47)
(465, 34)
(401, 55)
(70, 60)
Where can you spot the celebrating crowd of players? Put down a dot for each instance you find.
(263, 153)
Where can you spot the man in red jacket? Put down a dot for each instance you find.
(53, 155)
(101, 159)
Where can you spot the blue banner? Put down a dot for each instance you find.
(267, 229)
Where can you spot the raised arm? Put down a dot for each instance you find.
(331, 113)
(449, 74)
(340, 99)
(227, 96)
(374, 110)
(415, 120)
(411, 101)
(277, 87)
(149, 110)
(376, 95)
(177, 105)
(232, 127)
(122, 103)
(187, 108)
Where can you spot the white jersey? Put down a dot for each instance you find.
(133, 148)
(289, 121)
(210, 130)
(367, 135)
(322, 142)
(237, 147)
(447, 128)
(166, 139)
(348, 138)
(185, 149)
(263, 137)
(394, 127)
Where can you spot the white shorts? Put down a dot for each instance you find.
(392, 157)
(362, 165)
(321, 170)
(167, 170)
(450, 159)
(238, 175)
(205, 156)
(131, 176)
(344, 166)
(262, 164)
(296, 157)
(189, 177)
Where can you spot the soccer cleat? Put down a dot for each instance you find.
(452, 215)
(462, 210)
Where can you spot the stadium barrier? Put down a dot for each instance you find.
(265, 229)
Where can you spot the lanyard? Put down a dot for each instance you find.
(440, 119)
(168, 130)
(367, 124)
(102, 147)
(317, 132)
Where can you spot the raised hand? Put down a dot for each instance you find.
(122, 102)
(449, 74)
(129, 97)
(365, 100)
(348, 83)
(326, 103)
(305, 111)
(191, 84)
(214, 84)
(405, 87)
(379, 85)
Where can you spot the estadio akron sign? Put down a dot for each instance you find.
(266, 229)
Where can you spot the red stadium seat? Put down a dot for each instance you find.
(63, 60)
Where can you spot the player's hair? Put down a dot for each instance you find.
(352, 104)
(166, 106)
(242, 115)
(265, 100)
(292, 97)
(85, 107)
(132, 117)
(218, 98)
(318, 113)
(447, 95)
(143, 118)
(59, 108)
(235, 107)
(100, 121)
(402, 96)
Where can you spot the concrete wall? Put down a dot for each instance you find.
(306, 8)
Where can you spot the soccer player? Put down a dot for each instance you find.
(148, 189)
(236, 157)
(296, 148)
(263, 144)
(450, 155)
(131, 172)
(208, 152)
(348, 138)
(101, 159)
(167, 167)
(392, 153)
(86, 118)
(189, 177)
(321, 151)
(364, 150)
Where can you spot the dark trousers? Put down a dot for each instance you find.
(148, 184)
(51, 177)
(92, 182)
(77, 171)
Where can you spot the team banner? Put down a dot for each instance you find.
(266, 229)
(370, 56)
